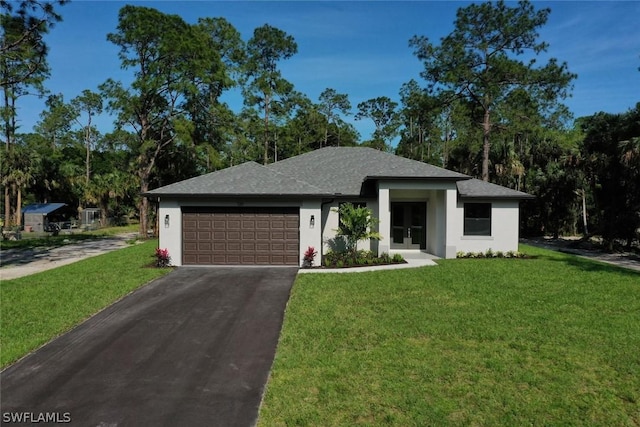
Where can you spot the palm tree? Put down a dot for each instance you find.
(18, 167)
(103, 188)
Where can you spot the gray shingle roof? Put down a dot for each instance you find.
(342, 170)
(475, 188)
(247, 179)
(326, 172)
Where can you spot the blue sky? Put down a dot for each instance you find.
(356, 47)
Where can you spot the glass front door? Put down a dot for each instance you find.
(408, 225)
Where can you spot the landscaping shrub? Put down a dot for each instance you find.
(163, 259)
(309, 257)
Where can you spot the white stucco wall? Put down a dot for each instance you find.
(504, 228)
(311, 235)
(171, 237)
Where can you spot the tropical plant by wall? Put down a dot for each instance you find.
(356, 224)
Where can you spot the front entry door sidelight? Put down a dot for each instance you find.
(408, 225)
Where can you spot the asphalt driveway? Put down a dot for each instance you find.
(193, 348)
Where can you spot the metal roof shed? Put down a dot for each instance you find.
(35, 215)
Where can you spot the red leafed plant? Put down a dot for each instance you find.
(309, 257)
(163, 259)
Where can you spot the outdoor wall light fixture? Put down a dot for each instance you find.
(166, 221)
(312, 221)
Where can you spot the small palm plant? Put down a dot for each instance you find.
(356, 224)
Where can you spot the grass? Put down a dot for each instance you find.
(34, 240)
(552, 340)
(39, 307)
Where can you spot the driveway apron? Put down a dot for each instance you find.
(193, 348)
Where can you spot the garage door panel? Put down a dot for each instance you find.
(218, 259)
(203, 259)
(233, 224)
(262, 235)
(204, 235)
(277, 224)
(291, 235)
(277, 246)
(205, 246)
(262, 246)
(262, 224)
(248, 224)
(291, 248)
(248, 235)
(276, 235)
(291, 260)
(231, 258)
(219, 224)
(227, 236)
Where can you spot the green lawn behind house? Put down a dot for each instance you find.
(36, 240)
(39, 307)
(553, 340)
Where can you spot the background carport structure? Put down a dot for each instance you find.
(36, 215)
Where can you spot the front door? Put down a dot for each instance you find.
(408, 225)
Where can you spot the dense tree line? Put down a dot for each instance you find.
(482, 106)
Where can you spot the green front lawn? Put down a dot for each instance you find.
(39, 307)
(553, 340)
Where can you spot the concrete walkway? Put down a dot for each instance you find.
(16, 263)
(627, 260)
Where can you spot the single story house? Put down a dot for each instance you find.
(252, 214)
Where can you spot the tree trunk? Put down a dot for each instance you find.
(7, 206)
(486, 129)
(144, 207)
(584, 212)
(266, 128)
(87, 140)
(104, 211)
(7, 126)
(19, 207)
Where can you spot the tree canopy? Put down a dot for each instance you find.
(490, 54)
(484, 105)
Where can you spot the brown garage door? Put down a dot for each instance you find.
(240, 236)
